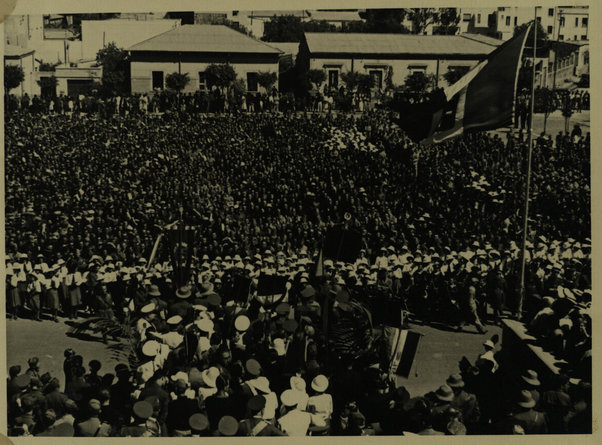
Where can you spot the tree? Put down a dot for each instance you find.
(46, 66)
(220, 75)
(318, 26)
(267, 80)
(317, 77)
(177, 81)
(380, 21)
(13, 76)
(284, 28)
(115, 69)
(421, 18)
(448, 22)
(418, 82)
(389, 78)
(455, 73)
(48, 85)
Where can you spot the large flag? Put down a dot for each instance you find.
(402, 345)
(483, 99)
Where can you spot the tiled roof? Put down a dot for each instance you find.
(359, 43)
(204, 38)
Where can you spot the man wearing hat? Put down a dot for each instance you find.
(254, 424)
(141, 411)
(181, 306)
(533, 422)
(180, 410)
(227, 426)
(155, 387)
(463, 401)
(92, 426)
(293, 421)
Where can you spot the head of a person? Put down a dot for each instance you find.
(14, 371)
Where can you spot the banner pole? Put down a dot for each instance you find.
(529, 156)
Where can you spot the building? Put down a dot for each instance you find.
(16, 55)
(190, 49)
(96, 34)
(403, 54)
(476, 20)
(573, 23)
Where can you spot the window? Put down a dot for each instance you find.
(377, 78)
(251, 81)
(550, 29)
(202, 81)
(560, 37)
(417, 69)
(575, 37)
(478, 18)
(584, 22)
(333, 78)
(576, 22)
(467, 17)
(550, 12)
(583, 37)
(158, 80)
(561, 22)
(507, 20)
(234, 13)
(538, 19)
(515, 21)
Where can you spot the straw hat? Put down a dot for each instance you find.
(319, 383)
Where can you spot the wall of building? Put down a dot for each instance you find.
(98, 33)
(143, 65)
(401, 67)
(29, 84)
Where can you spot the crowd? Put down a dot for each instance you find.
(87, 196)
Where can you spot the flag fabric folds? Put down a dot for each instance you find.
(483, 99)
(402, 346)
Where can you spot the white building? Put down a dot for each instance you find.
(191, 49)
(403, 54)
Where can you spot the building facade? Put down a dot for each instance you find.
(191, 49)
(393, 55)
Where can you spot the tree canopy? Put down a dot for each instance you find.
(13, 76)
(115, 69)
(177, 81)
(454, 74)
(266, 79)
(220, 75)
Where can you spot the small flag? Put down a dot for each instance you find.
(403, 345)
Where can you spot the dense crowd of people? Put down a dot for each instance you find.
(87, 195)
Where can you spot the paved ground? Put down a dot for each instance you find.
(437, 357)
(48, 340)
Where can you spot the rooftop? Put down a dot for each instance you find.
(16, 52)
(359, 43)
(482, 38)
(206, 39)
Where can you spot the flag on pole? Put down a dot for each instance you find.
(483, 99)
(320, 265)
(402, 346)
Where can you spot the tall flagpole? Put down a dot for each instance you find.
(530, 151)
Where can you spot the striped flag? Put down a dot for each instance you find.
(402, 346)
(483, 99)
